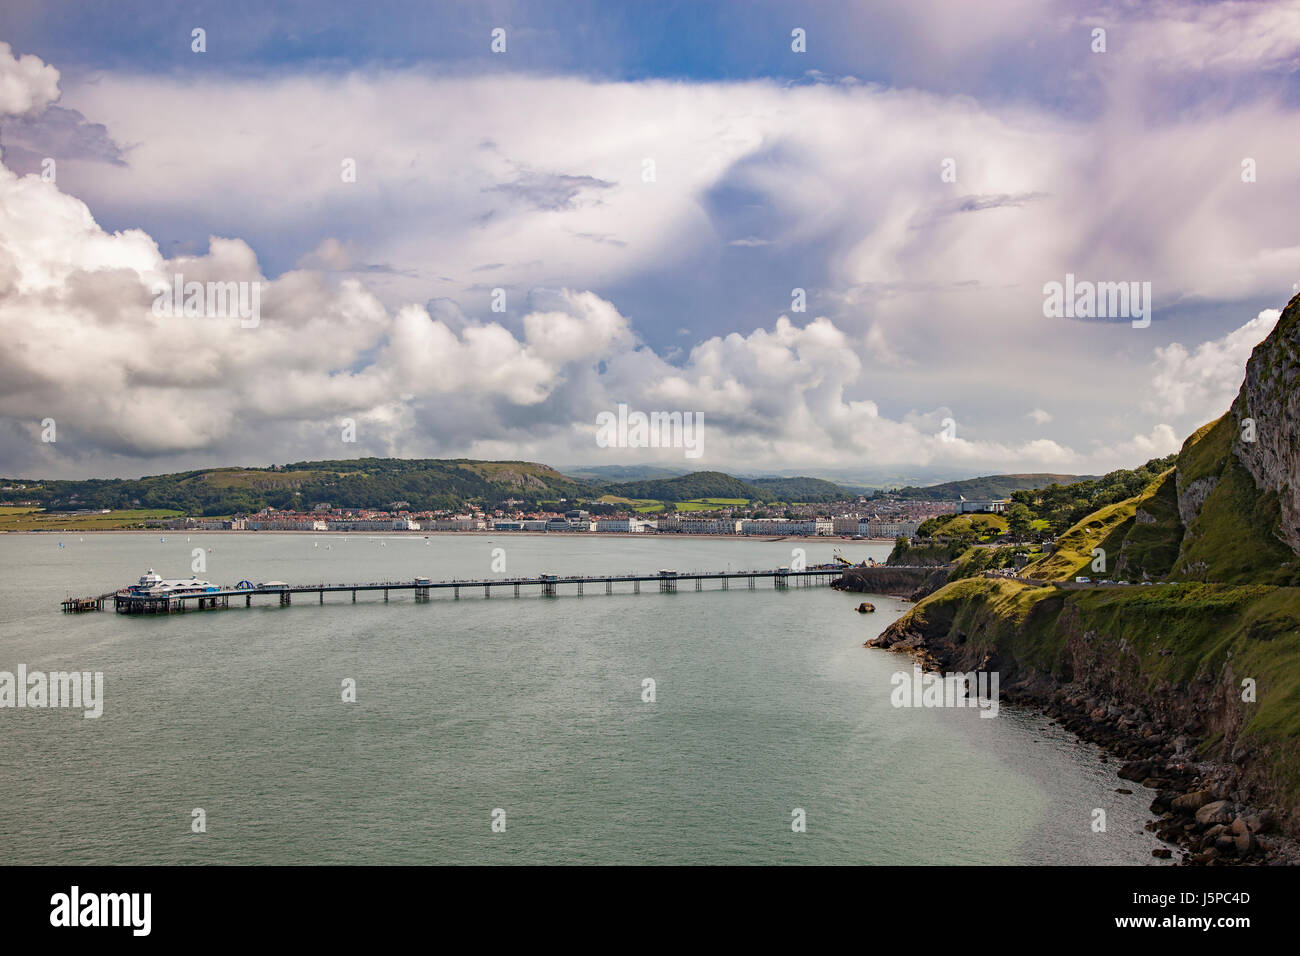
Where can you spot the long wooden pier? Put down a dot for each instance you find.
(127, 601)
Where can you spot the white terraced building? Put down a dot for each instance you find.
(876, 528)
(785, 526)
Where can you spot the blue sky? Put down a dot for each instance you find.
(525, 172)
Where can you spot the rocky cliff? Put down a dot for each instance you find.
(1267, 417)
(1196, 678)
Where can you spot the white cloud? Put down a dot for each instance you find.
(27, 84)
(931, 300)
(1202, 382)
(122, 381)
(1160, 441)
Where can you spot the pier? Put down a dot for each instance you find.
(127, 601)
(83, 604)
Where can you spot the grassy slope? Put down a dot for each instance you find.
(1233, 538)
(1104, 528)
(1178, 632)
(982, 524)
(1140, 536)
(1151, 541)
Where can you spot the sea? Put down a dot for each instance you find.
(713, 727)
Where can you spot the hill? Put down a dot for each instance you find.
(990, 486)
(698, 484)
(359, 483)
(719, 485)
(803, 489)
(604, 474)
(378, 483)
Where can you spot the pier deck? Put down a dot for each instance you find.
(548, 585)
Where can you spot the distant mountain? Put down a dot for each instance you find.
(611, 473)
(803, 489)
(699, 484)
(717, 484)
(990, 486)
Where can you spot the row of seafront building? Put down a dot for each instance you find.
(577, 520)
(671, 524)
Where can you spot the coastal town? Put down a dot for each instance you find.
(884, 520)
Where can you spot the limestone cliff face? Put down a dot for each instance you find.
(1192, 494)
(1270, 396)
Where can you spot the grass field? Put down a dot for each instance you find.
(27, 519)
(651, 506)
(710, 504)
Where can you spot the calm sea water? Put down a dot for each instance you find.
(766, 702)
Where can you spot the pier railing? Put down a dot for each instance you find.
(127, 601)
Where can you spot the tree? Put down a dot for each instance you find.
(1020, 521)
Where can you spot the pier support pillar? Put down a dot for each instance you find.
(385, 594)
(487, 591)
(322, 596)
(516, 590)
(636, 587)
(354, 596)
(579, 589)
(248, 600)
(285, 599)
(609, 587)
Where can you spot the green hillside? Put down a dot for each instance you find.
(990, 486)
(806, 490)
(699, 484)
(359, 483)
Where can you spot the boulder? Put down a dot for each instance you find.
(1261, 822)
(1191, 802)
(1220, 811)
(866, 607)
(1246, 845)
(1136, 770)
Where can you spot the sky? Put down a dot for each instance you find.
(462, 251)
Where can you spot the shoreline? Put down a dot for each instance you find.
(163, 532)
(1200, 808)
